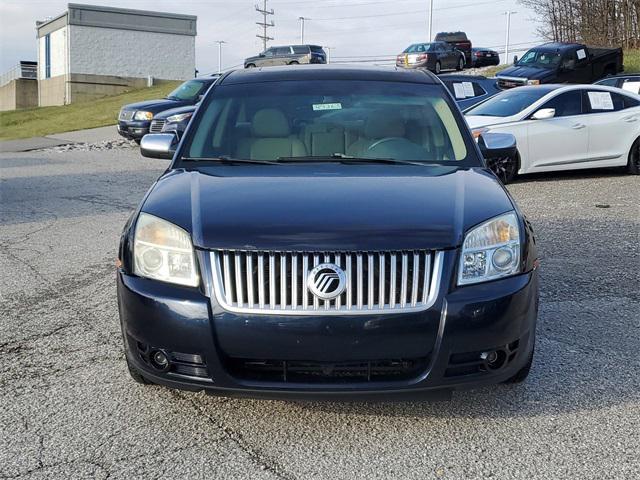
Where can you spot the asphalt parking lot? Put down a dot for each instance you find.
(70, 410)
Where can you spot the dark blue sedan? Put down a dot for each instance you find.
(328, 232)
(469, 90)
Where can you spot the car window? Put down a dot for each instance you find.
(630, 102)
(418, 48)
(316, 49)
(609, 82)
(509, 102)
(189, 90)
(300, 49)
(269, 52)
(602, 102)
(631, 84)
(363, 119)
(566, 104)
(540, 58)
(462, 89)
(283, 51)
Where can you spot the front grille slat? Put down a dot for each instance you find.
(277, 282)
(157, 125)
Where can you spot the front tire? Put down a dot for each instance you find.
(460, 64)
(438, 68)
(633, 166)
(505, 168)
(250, 65)
(136, 375)
(294, 63)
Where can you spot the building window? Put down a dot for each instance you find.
(47, 56)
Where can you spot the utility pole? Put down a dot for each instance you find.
(430, 20)
(506, 42)
(264, 24)
(302, 19)
(220, 42)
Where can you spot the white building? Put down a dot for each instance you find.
(91, 51)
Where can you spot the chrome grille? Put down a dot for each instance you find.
(156, 125)
(126, 115)
(276, 282)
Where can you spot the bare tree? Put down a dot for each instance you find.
(597, 22)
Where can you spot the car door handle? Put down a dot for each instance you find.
(578, 126)
(630, 119)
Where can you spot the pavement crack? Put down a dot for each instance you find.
(263, 461)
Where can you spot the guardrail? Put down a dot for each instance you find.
(19, 71)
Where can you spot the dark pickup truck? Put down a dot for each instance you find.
(562, 63)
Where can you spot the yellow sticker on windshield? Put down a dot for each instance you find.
(327, 106)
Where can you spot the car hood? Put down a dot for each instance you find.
(531, 73)
(327, 207)
(156, 106)
(475, 121)
(176, 111)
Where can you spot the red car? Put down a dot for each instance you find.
(457, 40)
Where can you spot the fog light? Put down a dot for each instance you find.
(159, 360)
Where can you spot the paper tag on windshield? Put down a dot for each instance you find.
(600, 101)
(458, 89)
(327, 106)
(468, 89)
(633, 87)
(581, 54)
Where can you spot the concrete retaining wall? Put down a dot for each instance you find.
(19, 93)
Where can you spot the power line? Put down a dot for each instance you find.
(265, 38)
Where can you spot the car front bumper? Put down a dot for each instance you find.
(133, 130)
(452, 339)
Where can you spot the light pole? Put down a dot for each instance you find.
(302, 19)
(506, 41)
(220, 42)
(430, 20)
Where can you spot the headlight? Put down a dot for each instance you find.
(143, 115)
(490, 251)
(533, 82)
(179, 117)
(163, 252)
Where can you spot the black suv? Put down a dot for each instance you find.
(459, 41)
(287, 55)
(134, 119)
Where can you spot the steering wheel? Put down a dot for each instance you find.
(384, 140)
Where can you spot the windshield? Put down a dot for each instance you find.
(189, 90)
(418, 48)
(540, 59)
(508, 103)
(305, 120)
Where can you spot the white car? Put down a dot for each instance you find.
(562, 127)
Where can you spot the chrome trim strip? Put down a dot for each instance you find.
(432, 287)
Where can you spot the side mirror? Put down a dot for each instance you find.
(159, 145)
(261, 55)
(515, 59)
(497, 145)
(544, 114)
(200, 97)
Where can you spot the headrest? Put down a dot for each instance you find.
(382, 125)
(270, 122)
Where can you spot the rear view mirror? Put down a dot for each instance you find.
(515, 59)
(544, 114)
(159, 145)
(497, 145)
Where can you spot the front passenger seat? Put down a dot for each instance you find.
(271, 137)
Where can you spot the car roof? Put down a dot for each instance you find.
(557, 46)
(328, 72)
(465, 78)
(621, 75)
(563, 87)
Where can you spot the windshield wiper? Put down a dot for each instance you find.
(228, 160)
(348, 159)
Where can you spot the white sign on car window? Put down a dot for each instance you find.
(468, 89)
(631, 87)
(581, 54)
(600, 101)
(458, 90)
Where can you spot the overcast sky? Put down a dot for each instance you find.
(351, 27)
